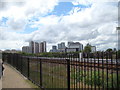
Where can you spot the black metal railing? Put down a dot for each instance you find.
(99, 70)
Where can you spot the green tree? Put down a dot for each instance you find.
(87, 48)
(118, 54)
(109, 50)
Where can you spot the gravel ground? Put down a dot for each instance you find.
(13, 79)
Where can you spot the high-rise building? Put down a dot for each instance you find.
(26, 49)
(36, 47)
(32, 47)
(43, 46)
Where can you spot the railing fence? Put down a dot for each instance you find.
(69, 70)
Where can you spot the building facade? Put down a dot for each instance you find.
(61, 47)
(93, 49)
(74, 47)
(32, 47)
(35, 47)
(54, 49)
(26, 49)
(43, 47)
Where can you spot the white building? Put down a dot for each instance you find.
(74, 46)
(93, 49)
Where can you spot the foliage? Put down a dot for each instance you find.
(96, 78)
(87, 49)
(118, 53)
(109, 50)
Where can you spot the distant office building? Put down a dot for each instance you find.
(26, 49)
(54, 49)
(71, 49)
(93, 49)
(61, 47)
(43, 46)
(118, 34)
(74, 47)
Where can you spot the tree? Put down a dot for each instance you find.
(118, 54)
(87, 48)
(109, 50)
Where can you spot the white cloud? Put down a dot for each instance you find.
(88, 2)
(95, 24)
(16, 24)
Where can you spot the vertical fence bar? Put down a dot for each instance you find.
(117, 70)
(102, 57)
(95, 71)
(28, 67)
(107, 68)
(40, 73)
(111, 57)
(68, 73)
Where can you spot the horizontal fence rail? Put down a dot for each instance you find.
(69, 70)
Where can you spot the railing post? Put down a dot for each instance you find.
(28, 67)
(68, 74)
(40, 73)
(21, 64)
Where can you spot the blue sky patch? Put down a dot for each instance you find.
(28, 29)
(4, 20)
(63, 8)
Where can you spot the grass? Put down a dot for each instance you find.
(95, 78)
(55, 76)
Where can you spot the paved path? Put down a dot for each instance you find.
(13, 79)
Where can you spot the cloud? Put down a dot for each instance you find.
(16, 24)
(95, 24)
(88, 2)
(92, 25)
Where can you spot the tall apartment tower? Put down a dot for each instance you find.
(32, 47)
(43, 46)
(36, 47)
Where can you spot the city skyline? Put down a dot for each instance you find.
(35, 47)
(85, 21)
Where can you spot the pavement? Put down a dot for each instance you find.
(13, 79)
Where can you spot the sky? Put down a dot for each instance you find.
(55, 21)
